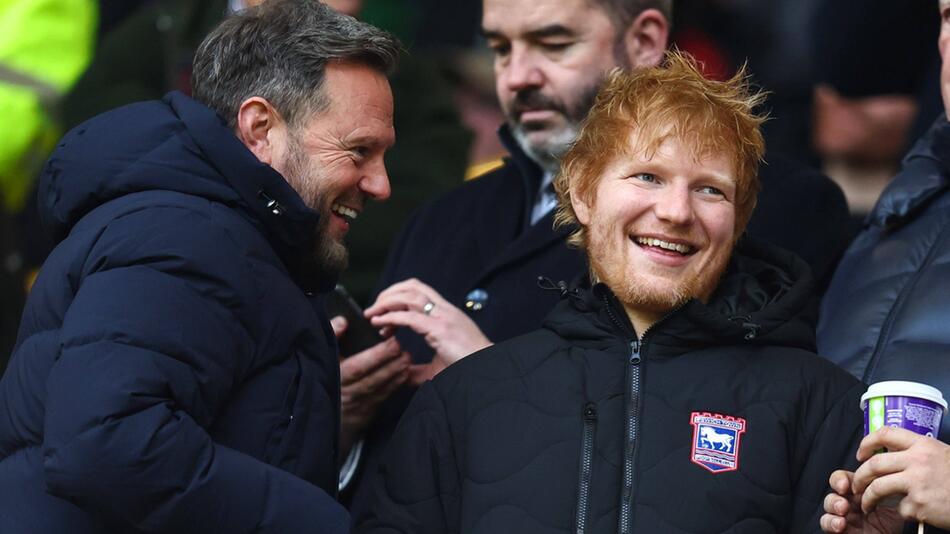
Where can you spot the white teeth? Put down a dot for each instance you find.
(345, 212)
(653, 242)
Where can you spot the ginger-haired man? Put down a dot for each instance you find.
(679, 393)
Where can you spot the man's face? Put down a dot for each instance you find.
(551, 57)
(944, 44)
(334, 159)
(660, 230)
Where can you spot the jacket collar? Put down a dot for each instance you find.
(273, 204)
(529, 171)
(925, 173)
(763, 299)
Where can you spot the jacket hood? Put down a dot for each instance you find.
(764, 298)
(178, 145)
(923, 176)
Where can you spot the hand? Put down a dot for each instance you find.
(915, 467)
(447, 329)
(367, 378)
(843, 511)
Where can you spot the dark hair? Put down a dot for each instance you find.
(625, 11)
(279, 51)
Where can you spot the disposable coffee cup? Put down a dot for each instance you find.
(909, 405)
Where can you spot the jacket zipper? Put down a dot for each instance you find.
(587, 456)
(632, 422)
(633, 412)
(633, 415)
(898, 304)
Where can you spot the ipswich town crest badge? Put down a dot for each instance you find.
(716, 441)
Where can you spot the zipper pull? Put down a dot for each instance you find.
(635, 351)
(590, 412)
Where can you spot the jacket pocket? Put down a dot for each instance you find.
(586, 466)
(283, 430)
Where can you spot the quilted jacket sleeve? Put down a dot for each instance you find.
(156, 338)
(828, 440)
(417, 489)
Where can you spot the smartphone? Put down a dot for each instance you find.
(360, 334)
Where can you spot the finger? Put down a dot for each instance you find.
(832, 523)
(882, 488)
(890, 438)
(363, 363)
(377, 378)
(411, 293)
(840, 481)
(339, 325)
(836, 504)
(398, 301)
(879, 465)
(419, 323)
(411, 285)
(384, 390)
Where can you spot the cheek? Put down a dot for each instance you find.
(720, 224)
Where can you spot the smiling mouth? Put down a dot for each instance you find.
(346, 213)
(682, 249)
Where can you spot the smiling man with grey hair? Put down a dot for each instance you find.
(175, 370)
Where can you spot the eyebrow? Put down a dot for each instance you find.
(551, 30)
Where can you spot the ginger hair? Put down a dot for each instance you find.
(670, 101)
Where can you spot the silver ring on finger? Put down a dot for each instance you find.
(429, 306)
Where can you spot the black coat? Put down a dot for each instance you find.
(885, 314)
(172, 372)
(720, 419)
(479, 237)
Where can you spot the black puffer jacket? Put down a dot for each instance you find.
(719, 419)
(885, 315)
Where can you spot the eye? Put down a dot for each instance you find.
(556, 46)
(360, 152)
(644, 177)
(710, 190)
(499, 48)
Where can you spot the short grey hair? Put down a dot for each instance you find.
(623, 12)
(279, 51)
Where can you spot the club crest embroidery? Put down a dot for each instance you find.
(716, 441)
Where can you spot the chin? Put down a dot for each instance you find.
(331, 257)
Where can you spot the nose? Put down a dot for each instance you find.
(375, 182)
(674, 205)
(522, 70)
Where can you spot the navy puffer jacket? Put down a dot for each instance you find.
(173, 371)
(885, 314)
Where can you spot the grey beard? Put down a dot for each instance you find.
(548, 157)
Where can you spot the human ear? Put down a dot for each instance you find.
(259, 126)
(581, 207)
(646, 38)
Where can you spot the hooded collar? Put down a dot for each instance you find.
(178, 145)
(925, 173)
(764, 298)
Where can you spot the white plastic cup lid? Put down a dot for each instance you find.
(903, 388)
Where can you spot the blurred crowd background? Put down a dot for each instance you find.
(851, 82)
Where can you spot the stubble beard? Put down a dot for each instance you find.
(646, 292)
(329, 257)
(547, 152)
